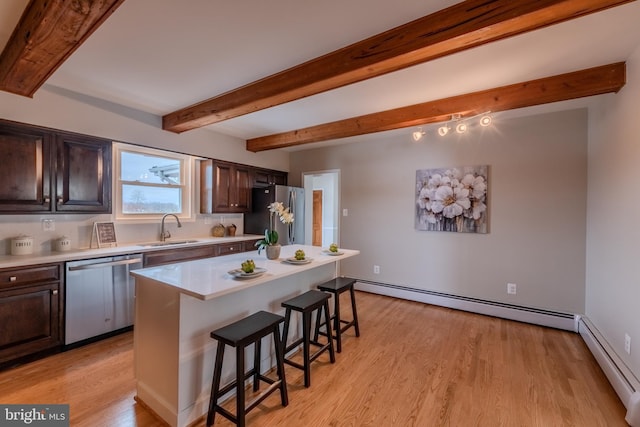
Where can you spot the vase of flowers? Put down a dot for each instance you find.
(270, 241)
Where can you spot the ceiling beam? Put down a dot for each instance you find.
(462, 26)
(594, 81)
(48, 32)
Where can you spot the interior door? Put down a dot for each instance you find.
(317, 218)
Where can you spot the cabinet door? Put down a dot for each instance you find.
(26, 169)
(242, 189)
(265, 177)
(226, 187)
(30, 319)
(223, 191)
(83, 177)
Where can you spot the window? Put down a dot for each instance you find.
(151, 182)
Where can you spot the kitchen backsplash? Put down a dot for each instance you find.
(78, 228)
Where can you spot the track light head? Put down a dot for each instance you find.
(417, 135)
(461, 127)
(443, 130)
(485, 120)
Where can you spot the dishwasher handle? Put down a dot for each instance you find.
(105, 264)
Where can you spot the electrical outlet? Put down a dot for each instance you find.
(345, 212)
(627, 343)
(376, 269)
(48, 225)
(511, 288)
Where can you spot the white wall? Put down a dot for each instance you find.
(537, 219)
(613, 215)
(56, 108)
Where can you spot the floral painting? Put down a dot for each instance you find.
(452, 199)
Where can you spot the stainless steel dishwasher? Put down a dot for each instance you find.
(99, 296)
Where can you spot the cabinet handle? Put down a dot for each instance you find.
(59, 200)
(13, 278)
(47, 199)
(54, 292)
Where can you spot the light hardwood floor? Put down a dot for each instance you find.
(414, 365)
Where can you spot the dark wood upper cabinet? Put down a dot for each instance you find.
(265, 177)
(26, 169)
(224, 187)
(83, 174)
(46, 170)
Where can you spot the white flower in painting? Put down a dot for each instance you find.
(451, 201)
(425, 197)
(454, 174)
(477, 209)
(436, 180)
(476, 185)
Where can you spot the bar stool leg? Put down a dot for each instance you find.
(240, 408)
(336, 322)
(279, 348)
(332, 355)
(316, 332)
(256, 364)
(306, 325)
(285, 331)
(355, 312)
(217, 373)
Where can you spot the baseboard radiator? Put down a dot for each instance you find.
(621, 378)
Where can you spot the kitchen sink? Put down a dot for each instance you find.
(168, 243)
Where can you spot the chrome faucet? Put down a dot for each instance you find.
(164, 234)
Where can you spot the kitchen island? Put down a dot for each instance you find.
(178, 305)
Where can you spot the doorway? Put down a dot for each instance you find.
(324, 203)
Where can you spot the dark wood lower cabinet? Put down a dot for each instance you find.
(31, 304)
(167, 256)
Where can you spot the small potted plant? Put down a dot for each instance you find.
(270, 241)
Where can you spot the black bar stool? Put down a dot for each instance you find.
(306, 304)
(336, 287)
(240, 334)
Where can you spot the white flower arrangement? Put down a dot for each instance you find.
(452, 199)
(270, 234)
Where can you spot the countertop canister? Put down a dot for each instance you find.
(63, 244)
(22, 245)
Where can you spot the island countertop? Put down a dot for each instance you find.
(209, 278)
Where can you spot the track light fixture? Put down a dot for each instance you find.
(417, 135)
(457, 122)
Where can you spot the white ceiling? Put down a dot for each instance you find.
(162, 55)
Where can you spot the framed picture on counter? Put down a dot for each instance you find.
(105, 233)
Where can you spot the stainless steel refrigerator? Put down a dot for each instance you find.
(257, 221)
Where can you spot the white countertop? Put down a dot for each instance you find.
(123, 249)
(209, 278)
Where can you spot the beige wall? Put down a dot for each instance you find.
(537, 202)
(613, 236)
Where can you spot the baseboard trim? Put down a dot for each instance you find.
(626, 385)
(547, 318)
